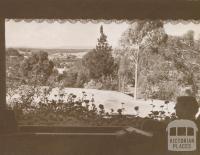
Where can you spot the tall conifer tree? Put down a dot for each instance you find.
(100, 61)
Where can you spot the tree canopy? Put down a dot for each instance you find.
(165, 63)
(37, 68)
(100, 61)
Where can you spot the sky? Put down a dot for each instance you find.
(78, 35)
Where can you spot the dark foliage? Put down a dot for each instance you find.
(37, 68)
(12, 52)
(100, 61)
(74, 112)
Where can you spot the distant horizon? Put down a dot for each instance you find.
(75, 36)
(55, 35)
(61, 48)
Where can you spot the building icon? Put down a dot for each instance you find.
(182, 135)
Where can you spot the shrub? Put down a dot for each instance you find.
(92, 84)
(71, 112)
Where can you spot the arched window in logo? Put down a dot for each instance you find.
(182, 135)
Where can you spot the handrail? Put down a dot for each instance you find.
(79, 131)
(119, 140)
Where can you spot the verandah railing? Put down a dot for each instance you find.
(46, 140)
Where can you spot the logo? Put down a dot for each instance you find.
(182, 135)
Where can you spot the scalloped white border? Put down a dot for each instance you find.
(95, 21)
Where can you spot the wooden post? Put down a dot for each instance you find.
(2, 65)
(8, 123)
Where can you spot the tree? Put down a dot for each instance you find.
(69, 78)
(184, 54)
(124, 72)
(140, 37)
(12, 52)
(188, 38)
(82, 74)
(100, 61)
(13, 63)
(53, 79)
(37, 68)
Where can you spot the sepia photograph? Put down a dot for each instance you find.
(72, 73)
(103, 86)
(99, 77)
